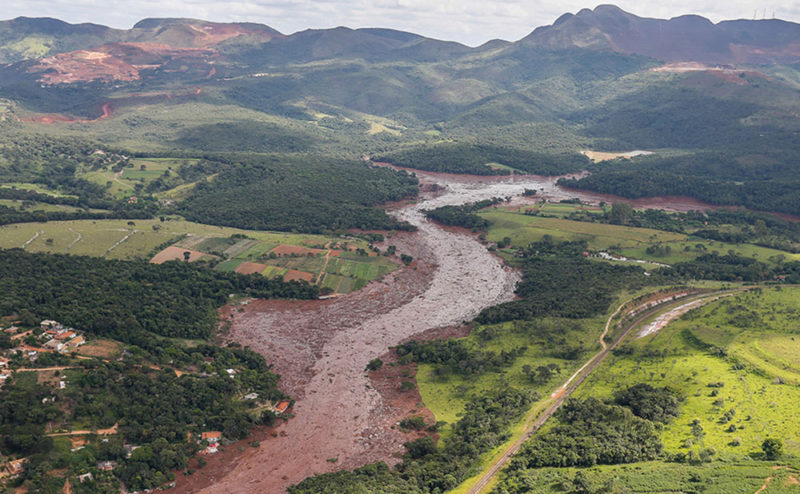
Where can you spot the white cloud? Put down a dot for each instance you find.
(469, 21)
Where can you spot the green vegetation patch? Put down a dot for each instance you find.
(126, 300)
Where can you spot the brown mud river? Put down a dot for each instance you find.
(320, 348)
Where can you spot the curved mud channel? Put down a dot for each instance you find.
(320, 348)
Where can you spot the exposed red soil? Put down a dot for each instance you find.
(116, 62)
(173, 253)
(110, 107)
(547, 189)
(212, 33)
(294, 275)
(84, 65)
(50, 118)
(320, 349)
(250, 268)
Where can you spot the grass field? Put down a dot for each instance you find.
(730, 477)
(117, 239)
(330, 264)
(142, 171)
(630, 242)
(31, 206)
(446, 395)
(523, 229)
(95, 237)
(755, 331)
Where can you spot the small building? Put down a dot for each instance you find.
(66, 335)
(282, 406)
(213, 437)
(54, 344)
(107, 466)
(251, 396)
(74, 343)
(16, 467)
(49, 324)
(231, 373)
(211, 449)
(84, 477)
(129, 449)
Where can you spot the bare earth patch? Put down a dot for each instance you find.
(251, 268)
(173, 253)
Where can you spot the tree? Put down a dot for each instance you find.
(186, 255)
(375, 364)
(773, 448)
(621, 213)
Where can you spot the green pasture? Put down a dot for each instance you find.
(36, 188)
(738, 354)
(42, 206)
(729, 477)
(95, 237)
(628, 241)
(524, 229)
(446, 395)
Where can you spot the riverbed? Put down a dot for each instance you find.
(321, 348)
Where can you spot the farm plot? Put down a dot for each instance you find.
(251, 268)
(173, 253)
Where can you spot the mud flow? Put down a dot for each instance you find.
(320, 348)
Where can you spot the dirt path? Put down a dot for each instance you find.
(100, 432)
(77, 239)
(322, 273)
(43, 369)
(34, 237)
(122, 240)
(543, 411)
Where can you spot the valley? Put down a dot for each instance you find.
(363, 260)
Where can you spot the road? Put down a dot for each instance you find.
(543, 411)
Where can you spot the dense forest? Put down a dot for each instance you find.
(308, 194)
(129, 301)
(558, 281)
(589, 432)
(463, 215)
(457, 157)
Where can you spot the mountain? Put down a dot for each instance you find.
(680, 39)
(28, 38)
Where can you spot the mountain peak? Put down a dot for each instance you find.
(683, 38)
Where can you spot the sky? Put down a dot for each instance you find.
(470, 22)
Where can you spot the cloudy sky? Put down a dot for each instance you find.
(468, 21)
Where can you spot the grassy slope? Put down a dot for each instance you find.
(99, 235)
(764, 407)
